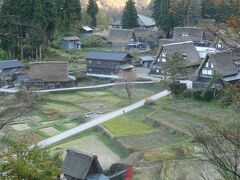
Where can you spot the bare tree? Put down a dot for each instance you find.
(220, 146)
(16, 105)
(127, 79)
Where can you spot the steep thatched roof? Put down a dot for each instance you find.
(224, 62)
(186, 48)
(120, 36)
(194, 34)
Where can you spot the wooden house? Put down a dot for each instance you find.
(86, 31)
(107, 64)
(71, 42)
(187, 49)
(146, 61)
(226, 63)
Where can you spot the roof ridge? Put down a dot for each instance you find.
(178, 43)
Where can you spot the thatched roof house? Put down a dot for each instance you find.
(187, 49)
(49, 71)
(227, 63)
(194, 34)
(120, 37)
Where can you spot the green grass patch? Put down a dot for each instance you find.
(124, 126)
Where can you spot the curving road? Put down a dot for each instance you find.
(99, 120)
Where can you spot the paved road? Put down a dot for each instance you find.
(99, 120)
(14, 90)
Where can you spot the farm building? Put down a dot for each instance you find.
(79, 165)
(86, 31)
(107, 64)
(121, 37)
(49, 75)
(187, 49)
(10, 68)
(146, 61)
(71, 42)
(144, 22)
(51, 71)
(226, 63)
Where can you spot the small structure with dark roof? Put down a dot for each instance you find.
(226, 63)
(166, 51)
(71, 42)
(121, 37)
(107, 63)
(146, 61)
(86, 31)
(79, 165)
(8, 68)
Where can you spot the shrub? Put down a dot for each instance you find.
(94, 41)
(150, 102)
(177, 88)
(207, 95)
(197, 95)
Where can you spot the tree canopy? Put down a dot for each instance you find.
(92, 10)
(130, 15)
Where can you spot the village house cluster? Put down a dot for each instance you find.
(204, 53)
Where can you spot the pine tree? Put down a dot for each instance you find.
(92, 11)
(72, 12)
(130, 15)
(162, 15)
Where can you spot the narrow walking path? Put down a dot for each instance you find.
(15, 90)
(99, 120)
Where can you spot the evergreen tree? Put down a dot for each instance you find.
(72, 12)
(162, 15)
(130, 15)
(92, 11)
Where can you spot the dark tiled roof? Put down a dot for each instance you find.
(188, 34)
(187, 48)
(107, 55)
(145, 21)
(8, 64)
(142, 21)
(71, 38)
(224, 62)
(77, 164)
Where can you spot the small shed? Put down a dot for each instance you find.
(86, 31)
(146, 61)
(9, 68)
(80, 165)
(71, 42)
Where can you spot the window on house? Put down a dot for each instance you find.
(89, 69)
(185, 34)
(90, 62)
(212, 66)
(164, 60)
(98, 62)
(207, 72)
(207, 64)
(157, 71)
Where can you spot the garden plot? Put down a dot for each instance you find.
(48, 122)
(50, 131)
(70, 125)
(20, 127)
(159, 139)
(176, 120)
(204, 110)
(91, 144)
(124, 126)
